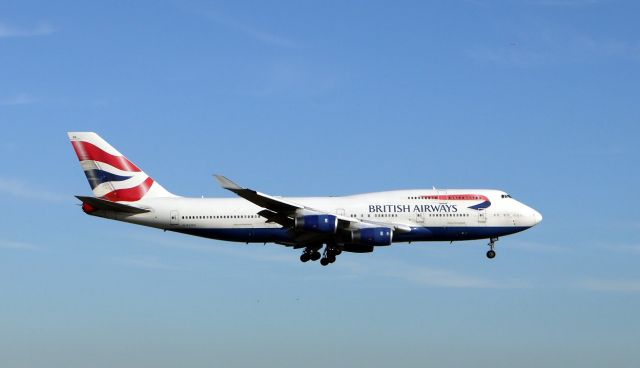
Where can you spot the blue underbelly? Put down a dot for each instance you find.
(275, 235)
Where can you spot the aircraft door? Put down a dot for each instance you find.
(174, 217)
(482, 216)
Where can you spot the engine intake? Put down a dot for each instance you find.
(373, 236)
(327, 224)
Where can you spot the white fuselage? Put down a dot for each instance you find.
(431, 215)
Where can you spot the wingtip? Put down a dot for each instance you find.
(226, 183)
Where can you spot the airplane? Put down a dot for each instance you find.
(355, 223)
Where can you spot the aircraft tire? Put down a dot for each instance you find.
(315, 256)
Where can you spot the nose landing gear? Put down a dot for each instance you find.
(491, 253)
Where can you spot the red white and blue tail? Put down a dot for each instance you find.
(111, 175)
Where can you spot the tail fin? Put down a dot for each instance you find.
(111, 176)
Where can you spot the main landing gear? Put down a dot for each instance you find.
(491, 254)
(329, 255)
(310, 254)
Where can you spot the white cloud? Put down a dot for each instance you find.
(600, 151)
(10, 244)
(541, 46)
(623, 248)
(292, 79)
(566, 2)
(376, 265)
(20, 189)
(192, 244)
(608, 285)
(151, 262)
(509, 55)
(438, 277)
(41, 29)
(530, 246)
(604, 47)
(8, 146)
(369, 267)
(20, 99)
(267, 37)
(574, 3)
(248, 30)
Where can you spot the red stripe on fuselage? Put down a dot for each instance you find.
(88, 151)
(456, 197)
(130, 194)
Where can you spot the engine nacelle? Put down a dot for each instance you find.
(373, 236)
(327, 224)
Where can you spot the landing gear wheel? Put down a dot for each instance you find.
(304, 257)
(315, 256)
(331, 258)
(491, 254)
(324, 261)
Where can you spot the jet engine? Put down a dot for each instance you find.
(327, 224)
(372, 236)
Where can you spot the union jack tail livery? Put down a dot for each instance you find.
(111, 175)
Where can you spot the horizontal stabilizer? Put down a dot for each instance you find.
(102, 204)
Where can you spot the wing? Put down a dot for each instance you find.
(283, 212)
(263, 200)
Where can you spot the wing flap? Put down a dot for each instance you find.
(278, 218)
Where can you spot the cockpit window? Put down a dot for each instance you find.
(506, 196)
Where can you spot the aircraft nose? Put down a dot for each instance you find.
(537, 217)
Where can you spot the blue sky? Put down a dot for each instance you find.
(538, 98)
